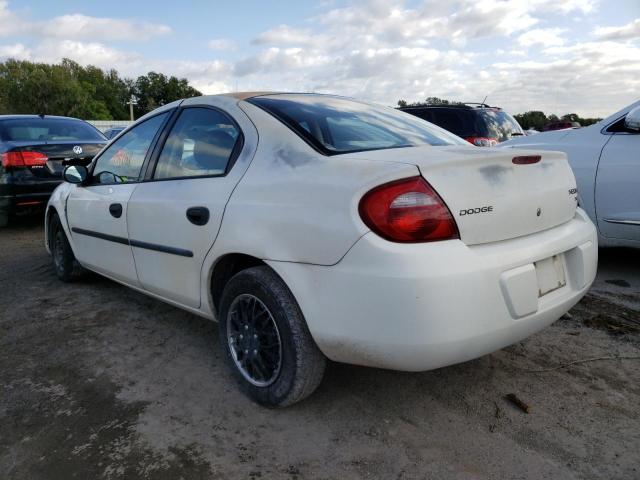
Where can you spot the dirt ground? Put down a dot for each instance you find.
(100, 382)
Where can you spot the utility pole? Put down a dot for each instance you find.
(132, 101)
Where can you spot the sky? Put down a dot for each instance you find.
(559, 56)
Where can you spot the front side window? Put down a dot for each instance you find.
(336, 125)
(201, 143)
(122, 161)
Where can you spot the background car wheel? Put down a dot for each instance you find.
(266, 340)
(64, 262)
(4, 219)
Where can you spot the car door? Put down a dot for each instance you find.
(97, 212)
(175, 215)
(617, 186)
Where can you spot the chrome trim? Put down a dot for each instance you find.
(623, 222)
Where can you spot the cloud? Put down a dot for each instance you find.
(79, 27)
(523, 54)
(86, 53)
(630, 31)
(83, 27)
(546, 37)
(11, 23)
(17, 51)
(284, 35)
(221, 44)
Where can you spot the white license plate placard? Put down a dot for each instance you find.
(550, 274)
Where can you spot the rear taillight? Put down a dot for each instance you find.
(482, 141)
(407, 211)
(23, 159)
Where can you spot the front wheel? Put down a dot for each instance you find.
(266, 339)
(64, 262)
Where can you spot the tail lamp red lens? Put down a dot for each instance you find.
(408, 211)
(526, 159)
(482, 141)
(23, 159)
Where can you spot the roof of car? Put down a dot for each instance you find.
(464, 106)
(246, 95)
(17, 117)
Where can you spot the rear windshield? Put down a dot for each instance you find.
(336, 125)
(472, 123)
(500, 125)
(47, 130)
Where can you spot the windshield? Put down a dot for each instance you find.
(48, 130)
(336, 125)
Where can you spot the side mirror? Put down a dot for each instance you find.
(632, 120)
(75, 174)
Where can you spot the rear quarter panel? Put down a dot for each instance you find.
(295, 204)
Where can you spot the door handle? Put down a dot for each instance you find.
(198, 215)
(115, 209)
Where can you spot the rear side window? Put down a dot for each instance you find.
(122, 161)
(47, 130)
(499, 125)
(201, 143)
(464, 123)
(336, 125)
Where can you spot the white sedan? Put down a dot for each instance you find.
(605, 158)
(315, 226)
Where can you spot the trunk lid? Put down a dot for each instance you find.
(490, 197)
(57, 152)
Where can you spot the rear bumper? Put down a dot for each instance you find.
(424, 306)
(24, 192)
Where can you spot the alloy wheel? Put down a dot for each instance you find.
(254, 340)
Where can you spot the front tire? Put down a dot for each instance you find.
(64, 262)
(266, 340)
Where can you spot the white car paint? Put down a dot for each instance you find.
(607, 170)
(366, 300)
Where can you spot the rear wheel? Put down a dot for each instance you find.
(4, 219)
(64, 262)
(266, 339)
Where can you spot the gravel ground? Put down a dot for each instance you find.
(99, 381)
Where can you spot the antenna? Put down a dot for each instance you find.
(484, 102)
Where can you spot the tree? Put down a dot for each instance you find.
(156, 89)
(89, 92)
(427, 101)
(533, 119)
(437, 101)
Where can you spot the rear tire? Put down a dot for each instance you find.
(4, 219)
(266, 340)
(64, 262)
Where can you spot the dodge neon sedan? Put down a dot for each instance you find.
(317, 227)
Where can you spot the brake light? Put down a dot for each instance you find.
(482, 141)
(407, 211)
(23, 159)
(526, 159)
